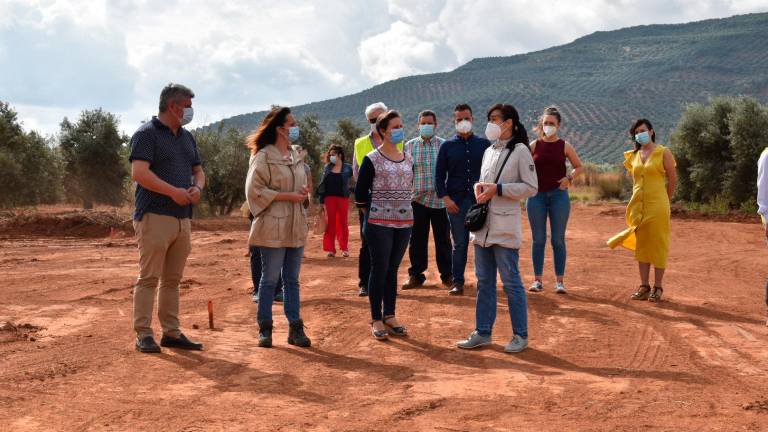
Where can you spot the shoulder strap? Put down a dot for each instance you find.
(498, 174)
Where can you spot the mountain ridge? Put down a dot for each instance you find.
(600, 82)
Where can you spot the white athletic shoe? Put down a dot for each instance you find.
(536, 287)
(516, 345)
(560, 288)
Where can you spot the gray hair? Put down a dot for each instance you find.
(172, 93)
(378, 106)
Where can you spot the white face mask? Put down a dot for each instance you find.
(464, 127)
(189, 113)
(549, 130)
(492, 131)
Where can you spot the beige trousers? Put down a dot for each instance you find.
(164, 244)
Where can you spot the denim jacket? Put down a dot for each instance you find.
(346, 175)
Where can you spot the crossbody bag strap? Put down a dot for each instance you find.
(498, 174)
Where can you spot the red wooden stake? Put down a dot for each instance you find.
(210, 314)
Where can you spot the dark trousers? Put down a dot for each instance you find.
(387, 250)
(256, 271)
(364, 263)
(423, 216)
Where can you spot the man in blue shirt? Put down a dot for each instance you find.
(169, 179)
(457, 169)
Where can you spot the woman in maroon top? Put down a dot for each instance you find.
(552, 201)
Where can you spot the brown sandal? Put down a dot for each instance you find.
(656, 294)
(642, 293)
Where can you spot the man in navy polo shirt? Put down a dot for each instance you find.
(169, 179)
(457, 169)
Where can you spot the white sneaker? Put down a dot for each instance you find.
(330, 255)
(560, 288)
(536, 287)
(516, 345)
(345, 254)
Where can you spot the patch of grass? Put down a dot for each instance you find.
(583, 194)
(717, 206)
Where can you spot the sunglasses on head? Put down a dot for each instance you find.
(372, 121)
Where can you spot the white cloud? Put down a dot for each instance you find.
(404, 50)
(58, 57)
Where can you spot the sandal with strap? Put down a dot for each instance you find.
(379, 334)
(395, 330)
(656, 294)
(642, 293)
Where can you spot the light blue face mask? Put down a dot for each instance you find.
(426, 130)
(293, 133)
(333, 159)
(398, 135)
(643, 138)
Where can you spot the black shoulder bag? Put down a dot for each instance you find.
(478, 213)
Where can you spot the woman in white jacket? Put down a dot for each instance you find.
(497, 243)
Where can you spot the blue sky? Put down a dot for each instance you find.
(58, 57)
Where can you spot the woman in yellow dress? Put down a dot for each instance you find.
(652, 168)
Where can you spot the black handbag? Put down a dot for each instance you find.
(478, 213)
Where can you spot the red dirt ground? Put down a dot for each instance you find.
(597, 361)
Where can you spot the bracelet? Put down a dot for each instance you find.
(198, 188)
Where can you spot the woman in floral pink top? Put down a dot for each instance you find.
(383, 190)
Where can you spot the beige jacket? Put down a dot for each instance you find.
(518, 181)
(276, 224)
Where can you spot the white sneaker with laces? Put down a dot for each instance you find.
(516, 345)
(536, 286)
(560, 288)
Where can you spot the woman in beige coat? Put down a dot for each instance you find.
(497, 243)
(276, 187)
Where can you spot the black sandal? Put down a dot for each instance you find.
(642, 293)
(379, 334)
(656, 294)
(396, 330)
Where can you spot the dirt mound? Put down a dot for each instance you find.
(79, 223)
(679, 212)
(10, 332)
(760, 406)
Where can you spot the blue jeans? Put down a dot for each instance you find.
(487, 261)
(274, 262)
(460, 237)
(557, 205)
(256, 273)
(387, 246)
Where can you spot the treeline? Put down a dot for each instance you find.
(87, 161)
(717, 146)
